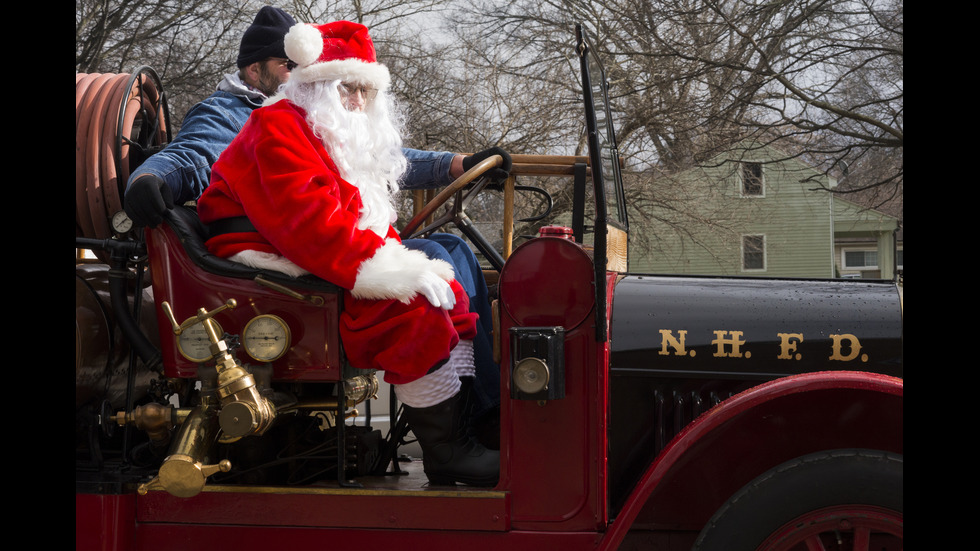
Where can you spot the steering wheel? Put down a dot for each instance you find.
(456, 213)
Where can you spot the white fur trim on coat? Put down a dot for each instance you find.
(268, 261)
(394, 273)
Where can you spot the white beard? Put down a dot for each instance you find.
(366, 146)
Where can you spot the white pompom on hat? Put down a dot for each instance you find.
(341, 50)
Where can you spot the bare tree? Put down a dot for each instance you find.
(189, 43)
(817, 79)
(823, 78)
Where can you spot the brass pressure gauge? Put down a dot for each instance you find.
(531, 376)
(266, 338)
(194, 343)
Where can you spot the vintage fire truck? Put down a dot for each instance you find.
(215, 408)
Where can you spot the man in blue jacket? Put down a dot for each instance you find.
(182, 170)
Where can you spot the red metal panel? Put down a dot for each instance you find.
(549, 282)
(559, 484)
(354, 508)
(104, 522)
(167, 537)
(315, 351)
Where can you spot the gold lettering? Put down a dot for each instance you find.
(667, 339)
(735, 341)
(853, 344)
(787, 345)
(728, 344)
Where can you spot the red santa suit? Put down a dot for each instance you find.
(278, 173)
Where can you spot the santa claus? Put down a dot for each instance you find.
(306, 187)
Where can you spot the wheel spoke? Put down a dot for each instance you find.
(813, 543)
(862, 538)
(850, 528)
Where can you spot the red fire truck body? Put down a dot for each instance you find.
(638, 411)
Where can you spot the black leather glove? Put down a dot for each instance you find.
(499, 173)
(147, 198)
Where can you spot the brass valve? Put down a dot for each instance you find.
(155, 419)
(184, 472)
(218, 345)
(247, 411)
(182, 476)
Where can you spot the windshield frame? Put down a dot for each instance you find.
(606, 176)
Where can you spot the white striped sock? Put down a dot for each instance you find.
(431, 389)
(461, 359)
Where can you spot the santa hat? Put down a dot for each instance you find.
(340, 50)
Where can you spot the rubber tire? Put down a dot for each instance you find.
(801, 486)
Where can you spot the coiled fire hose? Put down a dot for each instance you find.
(120, 119)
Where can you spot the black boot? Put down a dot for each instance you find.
(450, 453)
(484, 427)
(487, 428)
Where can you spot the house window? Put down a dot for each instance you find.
(860, 260)
(752, 179)
(753, 252)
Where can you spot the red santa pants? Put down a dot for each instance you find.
(404, 340)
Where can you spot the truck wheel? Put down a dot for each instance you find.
(839, 499)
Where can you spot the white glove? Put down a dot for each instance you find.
(395, 272)
(437, 290)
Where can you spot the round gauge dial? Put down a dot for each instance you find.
(121, 222)
(266, 338)
(194, 343)
(531, 375)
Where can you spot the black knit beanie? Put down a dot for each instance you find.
(263, 39)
